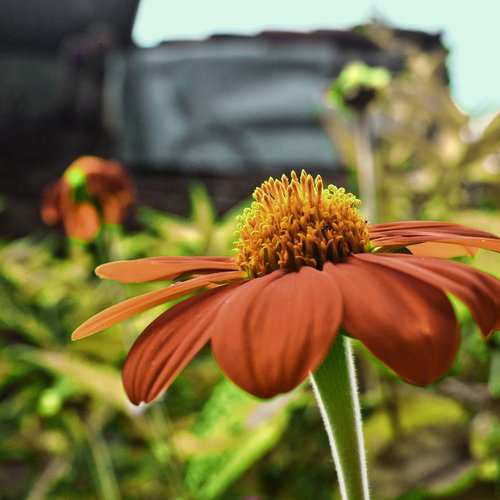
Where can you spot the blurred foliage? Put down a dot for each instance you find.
(200, 234)
(432, 160)
(356, 86)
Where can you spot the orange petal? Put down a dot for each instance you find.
(406, 323)
(479, 291)
(113, 209)
(272, 331)
(131, 307)
(443, 234)
(108, 176)
(442, 250)
(82, 221)
(50, 206)
(169, 343)
(425, 225)
(162, 268)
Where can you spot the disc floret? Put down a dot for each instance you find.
(297, 222)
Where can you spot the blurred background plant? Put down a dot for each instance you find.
(429, 158)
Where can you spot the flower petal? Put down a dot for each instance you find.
(108, 176)
(136, 305)
(114, 208)
(163, 268)
(442, 234)
(169, 343)
(50, 206)
(81, 221)
(272, 331)
(479, 291)
(442, 250)
(424, 225)
(406, 323)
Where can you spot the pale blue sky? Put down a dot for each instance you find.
(471, 30)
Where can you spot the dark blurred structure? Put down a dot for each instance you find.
(229, 104)
(230, 108)
(52, 58)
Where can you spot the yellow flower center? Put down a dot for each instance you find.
(297, 222)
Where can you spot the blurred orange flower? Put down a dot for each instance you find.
(91, 191)
(306, 267)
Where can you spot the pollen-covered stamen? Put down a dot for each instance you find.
(297, 222)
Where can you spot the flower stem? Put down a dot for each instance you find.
(335, 387)
(365, 166)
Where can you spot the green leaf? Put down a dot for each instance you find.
(100, 381)
(202, 208)
(231, 433)
(494, 378)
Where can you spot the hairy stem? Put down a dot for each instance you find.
(335, 387)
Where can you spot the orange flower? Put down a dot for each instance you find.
(92, 190)
(306, 267)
